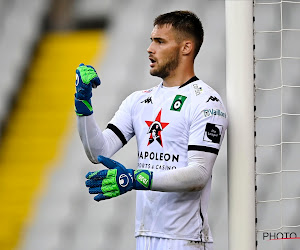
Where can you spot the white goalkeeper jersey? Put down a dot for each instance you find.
(168, 122)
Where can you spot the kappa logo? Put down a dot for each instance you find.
(213, 133)
(155, 129)
(213, 98)
(148, 100)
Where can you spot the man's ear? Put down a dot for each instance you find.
(187, 47)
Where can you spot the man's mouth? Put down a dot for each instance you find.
(152, 62)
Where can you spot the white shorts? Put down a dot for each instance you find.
(154, 243)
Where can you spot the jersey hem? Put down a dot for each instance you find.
(174, 237)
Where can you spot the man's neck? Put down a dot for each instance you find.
(177, 80)
(183, 73)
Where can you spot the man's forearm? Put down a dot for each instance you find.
(191, 178)
(96, 142)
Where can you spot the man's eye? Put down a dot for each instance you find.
(160, 41)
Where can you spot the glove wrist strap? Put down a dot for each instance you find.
(142, 179)
(83, 107)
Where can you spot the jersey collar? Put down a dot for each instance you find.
(193, 79)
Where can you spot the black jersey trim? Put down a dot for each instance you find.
(117, 132)
(193, 79)
(203, 148)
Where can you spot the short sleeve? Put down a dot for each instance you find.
(208, 125)
(121, 124)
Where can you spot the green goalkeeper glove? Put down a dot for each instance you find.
(117, 180)
(86, 79)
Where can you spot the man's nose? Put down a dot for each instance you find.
(150, 49)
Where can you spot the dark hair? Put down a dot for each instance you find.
(185, 22)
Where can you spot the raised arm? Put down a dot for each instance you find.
(95, 142)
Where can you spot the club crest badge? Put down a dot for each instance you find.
(178, 103)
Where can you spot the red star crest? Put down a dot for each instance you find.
(155, 128)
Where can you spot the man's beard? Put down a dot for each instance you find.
(165, 70)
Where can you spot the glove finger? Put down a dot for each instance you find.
(93, 183)
(77, 69)
(95, 190)
(100, 174)
(107, 162)
(90, 66)
(101, 197)
(95, 82)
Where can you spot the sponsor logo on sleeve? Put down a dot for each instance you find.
(211, 112)
(213, 133)
(178, 103)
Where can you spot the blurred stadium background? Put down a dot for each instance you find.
(44, 202)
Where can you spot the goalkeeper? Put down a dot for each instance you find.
(179, 127)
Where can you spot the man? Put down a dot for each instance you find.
(179, 126)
